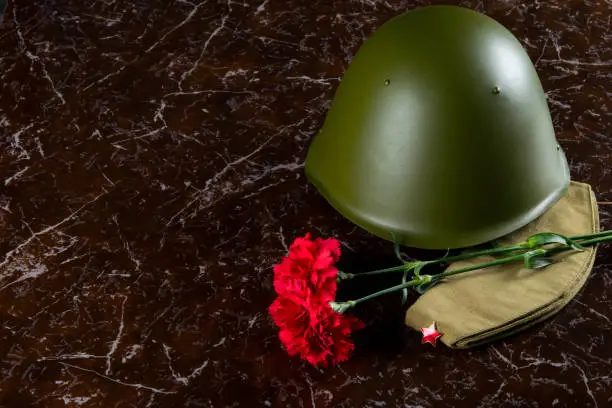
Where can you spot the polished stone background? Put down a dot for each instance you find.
(151, 173)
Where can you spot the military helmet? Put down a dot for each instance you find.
(439, 134)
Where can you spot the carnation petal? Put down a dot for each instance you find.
(331, 246)
(292, 344)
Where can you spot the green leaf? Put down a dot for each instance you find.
(341, 307)
(536, 259)
(418, 266)
(445, 255)
(396, 247)
(344, 276)
(424, 279)
(405, 290)
(540, 262)
(545, 238)
(425, 287)
(427, 283)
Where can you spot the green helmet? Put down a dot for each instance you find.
(439, 134)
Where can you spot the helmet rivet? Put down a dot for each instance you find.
(387, 82)
(496, 90)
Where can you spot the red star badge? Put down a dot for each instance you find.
(430, 334)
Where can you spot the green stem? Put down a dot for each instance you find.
(446, 259)
(479, 266)
(388, 290)
(519, 257)
(379, 271)
(594, 235)
(470, 255)
(437, 277)
(600, 238)
(416, 282)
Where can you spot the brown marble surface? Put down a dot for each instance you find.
(151, 173)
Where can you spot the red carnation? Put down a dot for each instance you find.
(305, 281)
(314, 331)
(309, 267)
